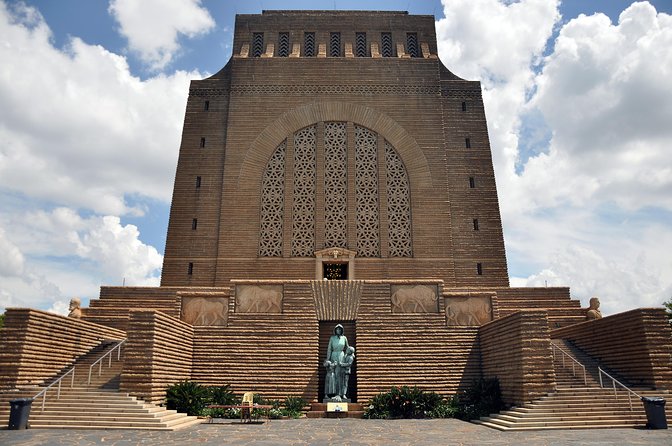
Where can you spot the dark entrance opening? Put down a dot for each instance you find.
(326, 330)
(335, 271)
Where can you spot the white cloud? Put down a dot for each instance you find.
(605, 92)
(152, 27)
(498, 43)
(11, 258)
(61, 307)
(76, 254)
(76, 128)
(588, 210)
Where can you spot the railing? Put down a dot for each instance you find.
(108, 355)
(614, 381)
(575, 363)
(58, 392)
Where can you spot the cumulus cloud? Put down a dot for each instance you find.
(77, 254)
(61, 307)
(155, 40)
(498, 43)
(588, 208)
(605, 92)
(76, 127)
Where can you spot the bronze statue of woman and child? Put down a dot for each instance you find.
(340, 357)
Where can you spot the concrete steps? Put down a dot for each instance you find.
(98, 405)
(575, 404)
(82, 408)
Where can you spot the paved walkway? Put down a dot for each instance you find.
(340, 432)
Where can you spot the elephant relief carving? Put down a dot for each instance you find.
(205, 311)
(259, 299)
(414, 299)
(468, 311)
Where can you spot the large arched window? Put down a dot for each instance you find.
(339, 184)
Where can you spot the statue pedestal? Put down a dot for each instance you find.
(332, 400)
(337, 408)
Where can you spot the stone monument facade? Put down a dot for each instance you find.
(333, 173)
(335, 131)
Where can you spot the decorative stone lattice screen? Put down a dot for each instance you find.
(367, 182)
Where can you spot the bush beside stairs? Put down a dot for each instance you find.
(577, 403)
(98, 405)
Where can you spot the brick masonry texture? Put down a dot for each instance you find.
(516, 349)
(254, 103)
(234, 122)
(36, 345)
(636, 344)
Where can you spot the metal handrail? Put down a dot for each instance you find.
(108, 355)
(43, 392)
(574, 362)
(614, 381)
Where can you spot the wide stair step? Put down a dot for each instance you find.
(578, 403)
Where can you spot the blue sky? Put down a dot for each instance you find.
(576, 94)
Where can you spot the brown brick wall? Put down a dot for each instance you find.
(636, 344)
(255, 103)
(36, 345)
(411, 349)
(275, 355)
(158, 353)
(516, 349)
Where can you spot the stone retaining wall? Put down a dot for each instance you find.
(36, 345)
(516, 349)
(635, 344)
(158, 353)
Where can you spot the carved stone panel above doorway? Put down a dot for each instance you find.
(337, 300)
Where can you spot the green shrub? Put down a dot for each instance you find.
(188, 397)
(221, 395)
(403, 402)
(445, 409)
(481, 399)
(294, 406)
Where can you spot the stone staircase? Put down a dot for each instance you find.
(575, 404)
(99, 405)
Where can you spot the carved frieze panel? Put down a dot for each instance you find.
(209, 311)
(414, 298)
(337, 300)
(259, 298)
(468, 311)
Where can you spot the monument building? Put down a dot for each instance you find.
(334, 171)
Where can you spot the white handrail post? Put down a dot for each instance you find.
(89, 381)
(614, 384)
(585, 380)
(44, 398)
(72, 382)
(58, 394)
(600, 375)
(100, 368)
